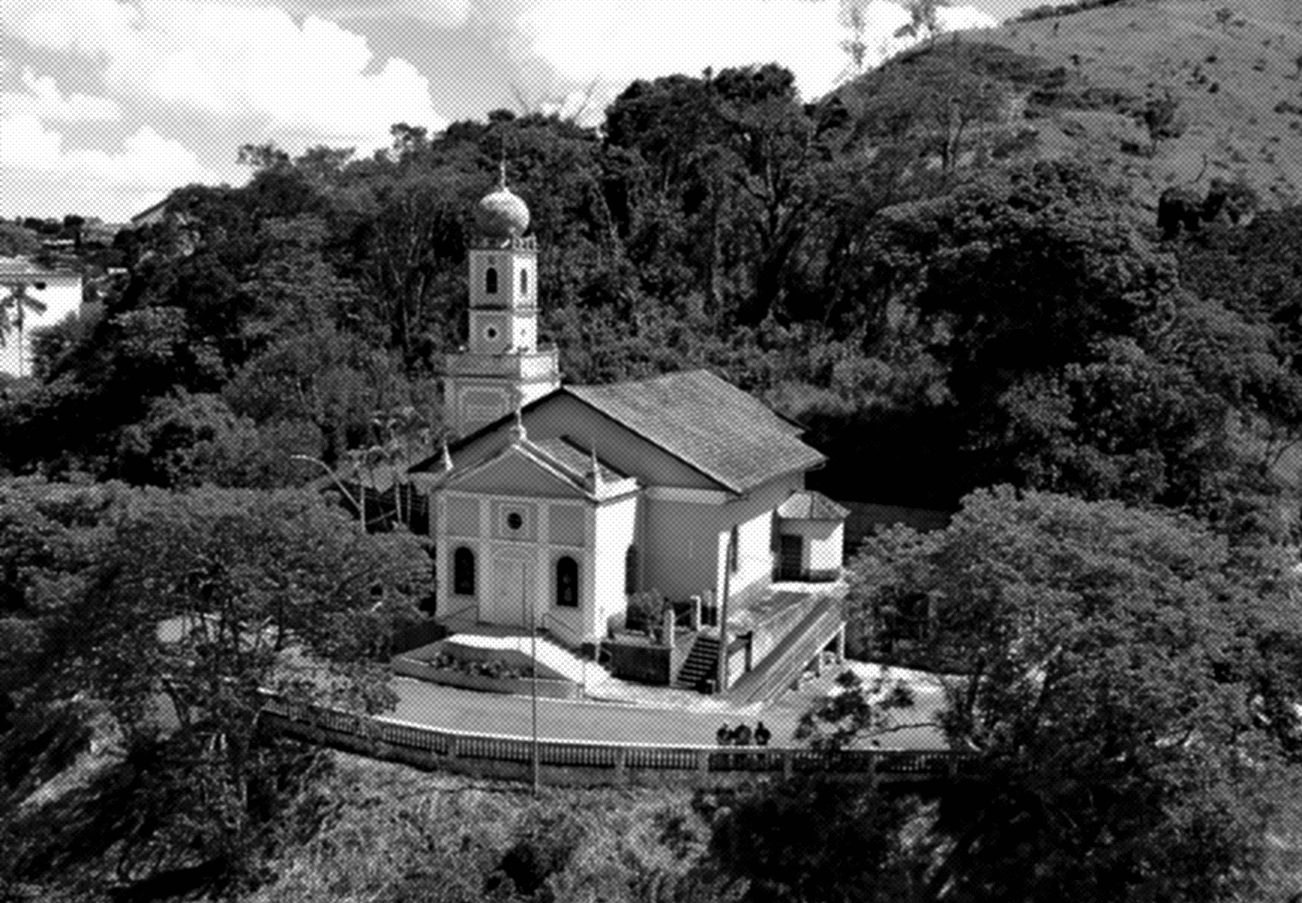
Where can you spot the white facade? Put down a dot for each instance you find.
(523, 540)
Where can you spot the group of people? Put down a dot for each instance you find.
(742, 735)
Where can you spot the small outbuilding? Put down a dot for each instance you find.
(811, 538)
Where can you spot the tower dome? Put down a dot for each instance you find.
(501, 214)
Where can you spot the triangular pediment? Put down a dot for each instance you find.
(514, 472)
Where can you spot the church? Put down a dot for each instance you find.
(556, 504)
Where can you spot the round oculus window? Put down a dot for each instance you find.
(514, 520)
(490, 332)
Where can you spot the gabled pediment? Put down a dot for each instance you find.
(515, 471)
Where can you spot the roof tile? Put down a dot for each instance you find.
(710, 424)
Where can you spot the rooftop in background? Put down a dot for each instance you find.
(21, 266)
(151, 214)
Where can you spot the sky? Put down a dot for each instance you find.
(107, 105)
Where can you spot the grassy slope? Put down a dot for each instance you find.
(1250, 125)
(397, 835)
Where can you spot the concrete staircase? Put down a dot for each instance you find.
(701, 663)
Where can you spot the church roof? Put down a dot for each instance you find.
(707, 422)
(704, 421)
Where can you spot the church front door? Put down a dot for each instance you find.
(512, 593)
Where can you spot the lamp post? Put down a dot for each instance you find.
(533, 672)
(721, 678)
(361, 512)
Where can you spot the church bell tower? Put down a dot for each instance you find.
(501, 364)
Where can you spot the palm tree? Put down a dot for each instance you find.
(13, 311)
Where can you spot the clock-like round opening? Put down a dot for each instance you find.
(514, 520)
(490, 333)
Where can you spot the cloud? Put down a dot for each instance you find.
(109, 184)
(439, 13)
(248, 63)
(614, 42)
(43, 101)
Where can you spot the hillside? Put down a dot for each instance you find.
(1235, 79)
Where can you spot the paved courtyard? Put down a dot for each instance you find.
(682, 720)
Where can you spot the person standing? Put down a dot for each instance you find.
(762, 734)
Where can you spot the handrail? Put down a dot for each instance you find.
(787, 660)
(449, 744)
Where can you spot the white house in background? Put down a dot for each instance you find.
(56, 293)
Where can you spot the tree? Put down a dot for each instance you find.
(193, 608)
(17, 241)
(1100, 677)
(938, 105)
(14, 307)
(1162, 120)
(811, 841)
(852, 16)
(922, 17)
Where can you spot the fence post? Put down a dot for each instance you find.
(703, 761)
(453, 743)
(788, 763)
(621, 764)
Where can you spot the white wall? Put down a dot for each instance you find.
(61, 295)
(615, 530)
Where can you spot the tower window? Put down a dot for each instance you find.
(524, 282)
(463, 572)
(567, 582)
(490, 280)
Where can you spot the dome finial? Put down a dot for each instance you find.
(501, 215)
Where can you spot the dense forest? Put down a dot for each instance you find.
(890, 261)
(895, 265)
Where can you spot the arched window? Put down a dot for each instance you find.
(490, 280)
(524, 282)
(733, 557)
(630, 571)
(567, 582)
(463, 572)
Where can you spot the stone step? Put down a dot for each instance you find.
(700, 663)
